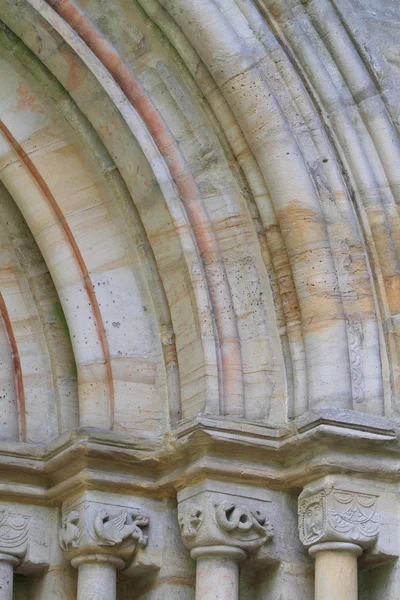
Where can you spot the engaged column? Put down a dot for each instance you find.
(100, 539)
(221, 530)
(336, 523)
(14, 541)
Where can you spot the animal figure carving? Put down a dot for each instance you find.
(240, 518)
(112, 531)
(190, 519)
(70, 531)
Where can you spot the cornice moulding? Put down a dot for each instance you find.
(282, 457)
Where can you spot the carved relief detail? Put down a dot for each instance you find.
(71, 530)
(14, 534)
(112, 531)
(190, 517)
(242, 522)
(338, 515)
(355, 344)
(212, 522)
(92, 527)
(353, 515)
(312, 518)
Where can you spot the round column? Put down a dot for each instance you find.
(7, 564)
(97, 576)
(336, 570)
(217, 572)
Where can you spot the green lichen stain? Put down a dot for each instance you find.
(60, 316)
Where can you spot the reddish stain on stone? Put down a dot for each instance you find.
(28, 101)
(186, 185)
(76, 71)
(105, 129)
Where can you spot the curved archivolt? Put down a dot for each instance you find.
(198, 214)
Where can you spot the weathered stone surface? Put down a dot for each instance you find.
(213, 515)
(338, 514)
(199, 299)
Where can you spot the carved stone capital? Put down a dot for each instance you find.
(338, 513)
(14, 536)
(214, 522)
(95, 529)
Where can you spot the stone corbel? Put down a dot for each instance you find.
(14, 540)
(221, 530)
(100, 539)
(337, 522)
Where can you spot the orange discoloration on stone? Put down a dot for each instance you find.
(104, 128)
(392, 285)
(18, 378)
(28, 101)
(304, 226)
(231, 361)
(77, 253)
(76, 72)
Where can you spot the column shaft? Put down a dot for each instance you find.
(6, 579)
(97, 581)
(217, 578)
(335, 575)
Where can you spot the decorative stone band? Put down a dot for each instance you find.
(336, 547)
(229, 552)
(209, 525)
(116, 561)
(96, 531)
(336, 514)
(14, 537)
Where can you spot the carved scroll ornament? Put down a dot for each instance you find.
(338, 515)
(210, 522)
(242, 522)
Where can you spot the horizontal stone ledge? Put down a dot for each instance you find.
(347, 418)
(270, 477)
(239, 428)
(317, 444)
(145, 447)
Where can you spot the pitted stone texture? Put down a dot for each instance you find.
(224, 241)
(6, 579)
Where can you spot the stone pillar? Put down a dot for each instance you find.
(97, 576)
(336, 523)
(336, 570)
(14, 539)
(7, 564)
(220, 530)
(217, 568)
(100, 539)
